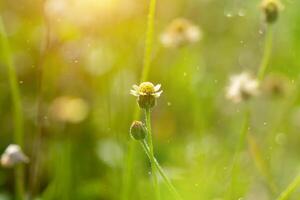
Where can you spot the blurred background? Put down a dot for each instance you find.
(76, 61)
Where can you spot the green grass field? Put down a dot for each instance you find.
(225, 127)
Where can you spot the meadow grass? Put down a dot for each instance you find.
(200, 144)
(17, 107)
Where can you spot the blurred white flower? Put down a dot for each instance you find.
(69, 109)
(242, 87)
(180, 32)
(13, 155)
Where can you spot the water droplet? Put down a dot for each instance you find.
(241, 13)
(184, 74)
(270, 148)
(228, 14)
(280, 138)
(21, 82)
(265, 123)
(169, 103)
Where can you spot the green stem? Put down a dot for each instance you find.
(266, 54)
(149, 40)
(161, 171)
(17, 107)
(291, 188)
(261, 163)
(152, 159)
(127, 176)
(238, 149)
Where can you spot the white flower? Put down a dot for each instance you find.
(242, 87)
(146, 88)
(13, 155)
(147, 94)
(180, 32)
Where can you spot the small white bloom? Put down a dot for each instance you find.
(242, 87)
(180, 32)
(13, 155)
(146, 88)
(146, 94)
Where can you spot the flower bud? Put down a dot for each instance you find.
(271, 9)
(138, 130)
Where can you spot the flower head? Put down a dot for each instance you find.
(242, 87)
(147, 94)
(271, 9)
(138, 130)
(13, 155)
(180, 32)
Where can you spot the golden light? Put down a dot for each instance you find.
(87, 11)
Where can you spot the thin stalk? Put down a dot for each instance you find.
(37, 143)
(152, 159)
(238, 149)
(290, 188)
(17, 107)
(161, 171)
(127, 176)
(149, 40)
(266, 54)
(261, 163)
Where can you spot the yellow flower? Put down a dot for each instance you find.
(271, 9)
(147, 94)
(180, 32)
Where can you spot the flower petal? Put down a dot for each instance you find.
(157, 94)
(157, 87)
(135, 87)
(134, 93)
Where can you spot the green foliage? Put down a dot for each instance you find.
(91, 53)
